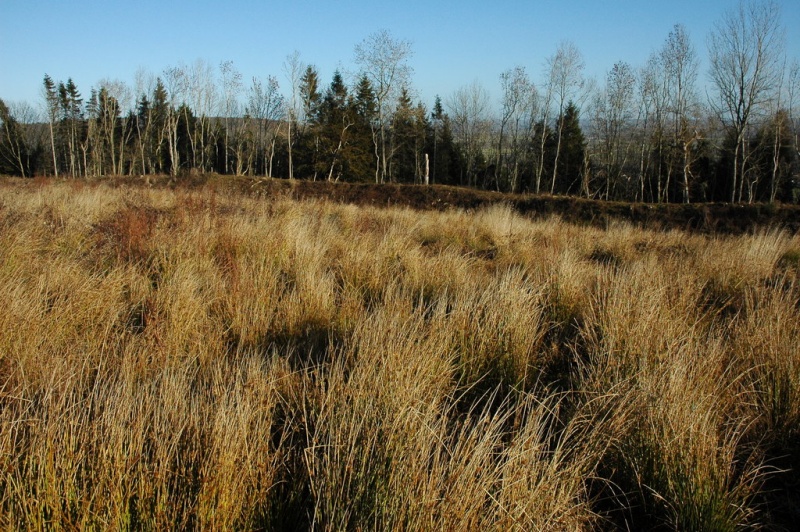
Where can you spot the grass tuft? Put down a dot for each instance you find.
(174, 359)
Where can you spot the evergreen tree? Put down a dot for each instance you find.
(331, 122)
(422, 132)
(141, 124)
(71, 110)
(402, 165)
(446, 166)
(362, 157)
(306, 163)
(571, 156)
(309, 92)
(437, 119)
(158, 129)
(91, 147)
(51, 99)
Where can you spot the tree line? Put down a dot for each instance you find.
(643, 133)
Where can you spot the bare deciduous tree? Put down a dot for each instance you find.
(793, 100)
(518, 100)
(680, 64)
(115, 101)
(612, 118)
(12, 144)
(565, 79)
(293, 69)
(202, 97)
(745, 50)
(231, 86)
(469, 108)
(175, 84)
(384, 60)
(267, 107)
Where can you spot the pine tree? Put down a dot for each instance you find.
(422, 132)
(158, 130)
(402, 159)
(330, 124)
(571, 157)
(71, 108)
(51, 98)
(142, 125)
(309, 92)
(307, 141)
(364, 161)
(445, 166)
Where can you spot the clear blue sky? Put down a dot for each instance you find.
(454, 42)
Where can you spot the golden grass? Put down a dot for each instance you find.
(177, 359)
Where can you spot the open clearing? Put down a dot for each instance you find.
(195, 357)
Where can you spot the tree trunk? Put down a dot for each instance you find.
(558, 151)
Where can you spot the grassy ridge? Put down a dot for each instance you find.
(704, 218)
(197, 358)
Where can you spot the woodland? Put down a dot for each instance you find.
(660, 132)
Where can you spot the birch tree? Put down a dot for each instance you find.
(565, 80)
(469, 107)
(680, 64)
(384, 60)
(293, 69)
(518, 100)
(174, 86)
(201, 91)
(231, 86)
(266, 106)
(114, 99)
(745, 51)
(612, 119)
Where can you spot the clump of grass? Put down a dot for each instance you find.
(684, 460)
(201, 359)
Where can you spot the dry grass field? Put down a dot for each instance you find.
(174, 359)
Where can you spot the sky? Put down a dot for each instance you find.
(454, 43)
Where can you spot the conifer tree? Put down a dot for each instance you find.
(573, 145)
(402, 152)
(445, 167)
(158, 130)
(307, 140)
(142, 125)
(364, 158)
(51, 99)
(71, 109)
(330, 124)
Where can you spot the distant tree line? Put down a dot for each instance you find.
(642, 134)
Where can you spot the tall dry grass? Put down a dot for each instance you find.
(189, 359)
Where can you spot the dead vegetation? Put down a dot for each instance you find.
(197, 358)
